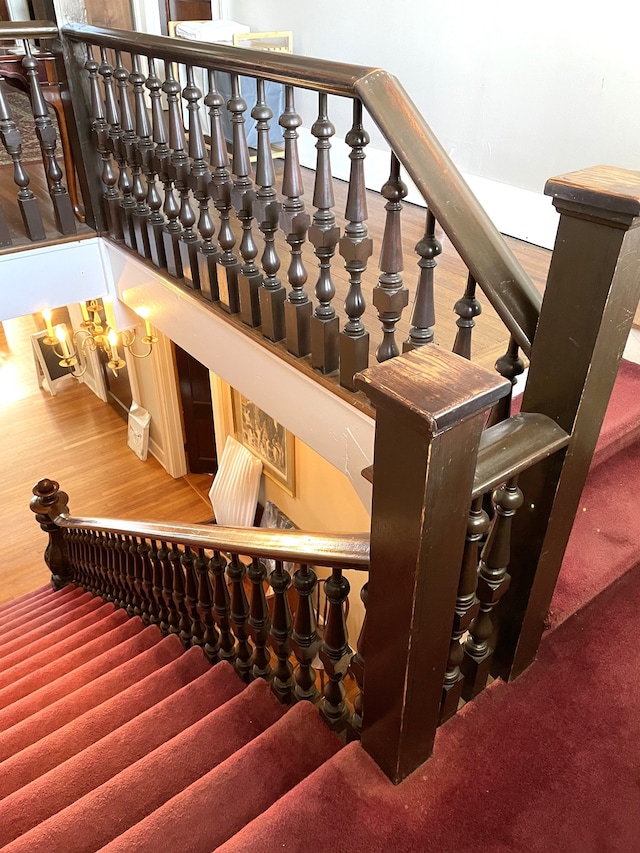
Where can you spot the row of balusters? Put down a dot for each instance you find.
(148, 156)
(45, 131)
(201, 596)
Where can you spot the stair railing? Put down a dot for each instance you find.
(34, 72)
(253, 259)
(434, 461)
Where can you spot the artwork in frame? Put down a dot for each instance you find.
(267, 439)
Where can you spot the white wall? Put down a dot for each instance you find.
(516, 93)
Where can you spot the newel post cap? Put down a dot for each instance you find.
(431, 387)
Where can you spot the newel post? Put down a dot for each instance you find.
(430, 407)
(48, 502)
(591, 295)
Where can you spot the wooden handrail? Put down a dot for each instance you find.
(28, 30)
(491, 262)
(335, 549)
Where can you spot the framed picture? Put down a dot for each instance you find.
(267, 439)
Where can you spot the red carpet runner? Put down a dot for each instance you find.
(114, 739)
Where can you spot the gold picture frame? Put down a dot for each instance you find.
(265, 438)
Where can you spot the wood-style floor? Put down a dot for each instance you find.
(79, 441)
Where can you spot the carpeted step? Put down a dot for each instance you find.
(130, 796)
(122, 666)
(203, 816)
(21, 626)
(24, 602)
(165, 704)
(90, 626)
(26, 644)
(109, 647)
(92, 647)
(604, 540)
(34, 609)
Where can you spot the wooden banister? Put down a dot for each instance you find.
(430, 411)
(478, 241)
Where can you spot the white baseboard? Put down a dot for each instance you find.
(523, 214)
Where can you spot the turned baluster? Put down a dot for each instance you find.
(305, 641)
(226, 266)
(324, 234)
(137, 238)
(134, 602)
(109, 175)
(170, 624)
(27, 202)
(259, 621)
(153, 579)
(46, 133)
(225, 649)
(159, 165)
(160, 615)
(356, 667)
(122, 572)
(335, 652)
(116, 588)
(210, 637)
(241, 294)
(390, 296)
(127, 201)
(509, 365)
(283, 683)
(184, 621)
(493, 582)
(208, 253)
(266, 209)
(143, 164)
(356, 247)
(198, 182)
(72, 551)
(47, 503)
(110, 576)
(467, 309)
(424, 311)
(85, 573)
(467, 606)
(239, 615)
(149, 606)
(294, 222)
(99, 563)
(141, 602)
(177, 172)
(191, 596)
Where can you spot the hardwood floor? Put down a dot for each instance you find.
(80, 441)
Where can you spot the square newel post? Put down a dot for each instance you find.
(590, 299)
(430, 407)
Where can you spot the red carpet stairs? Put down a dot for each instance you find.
(115, 739)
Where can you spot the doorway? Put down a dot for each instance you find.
(197, 413)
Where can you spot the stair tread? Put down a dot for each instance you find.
(132, 794)
(124, 665)
(291, 748)
(25, 645)
(603, 541)
(24, 602)
(20, 628)
(39, 608)
(78, 759)
(89, 643)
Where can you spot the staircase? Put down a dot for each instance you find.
(115, 738)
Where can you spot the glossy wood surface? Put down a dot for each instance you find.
(77, 439)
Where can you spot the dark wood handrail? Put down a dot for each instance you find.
(491, 262)
(325, 549)
(28, 30)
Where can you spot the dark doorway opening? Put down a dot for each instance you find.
(197, 412)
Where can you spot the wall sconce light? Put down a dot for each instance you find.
(93, 335)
